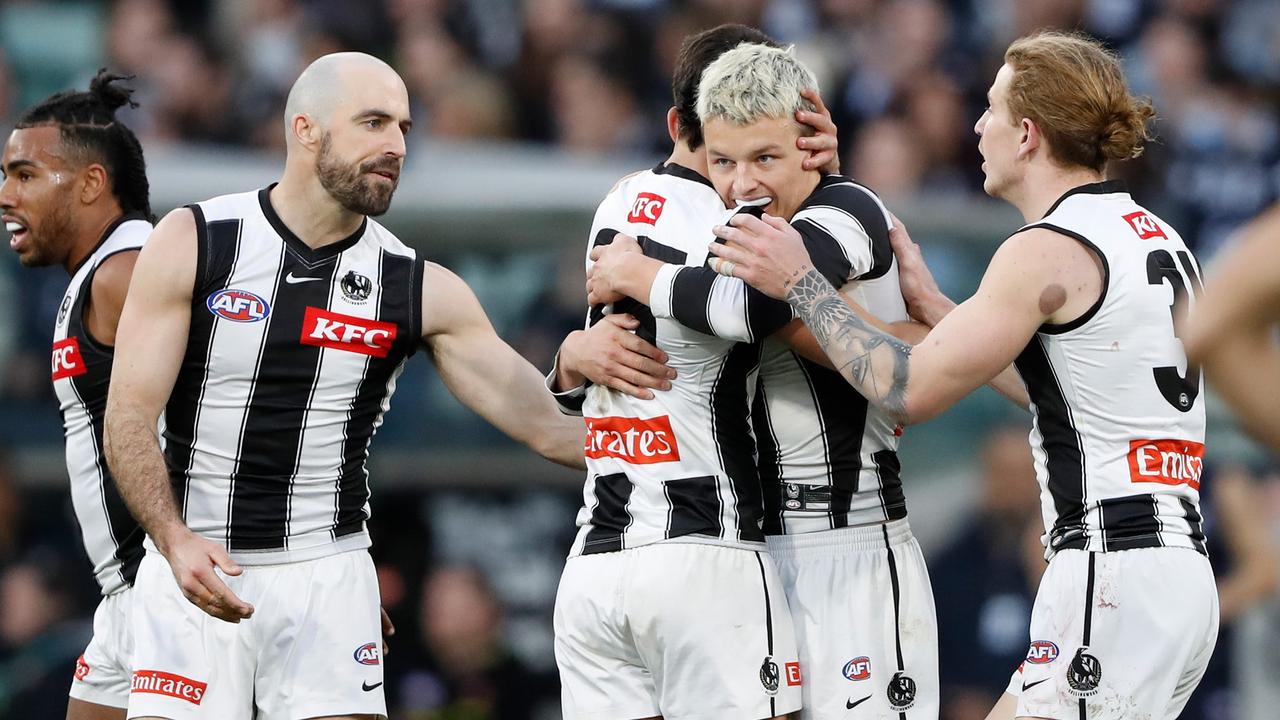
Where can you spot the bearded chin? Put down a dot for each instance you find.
(349, 186)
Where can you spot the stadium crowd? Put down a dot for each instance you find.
(904, 80)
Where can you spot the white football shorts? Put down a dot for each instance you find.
(103, 672)
(865, 622)
(1118, 635)
(311, 649)
(682, 630)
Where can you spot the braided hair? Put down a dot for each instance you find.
(89, 129)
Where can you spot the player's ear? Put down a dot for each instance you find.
(93, 182)
(673, 124)
(1031, 139)
(306, 131)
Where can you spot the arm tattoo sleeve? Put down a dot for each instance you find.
(874, 363)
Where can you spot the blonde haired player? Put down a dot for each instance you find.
(1083, 298)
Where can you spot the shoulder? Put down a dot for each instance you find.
(1043, 249)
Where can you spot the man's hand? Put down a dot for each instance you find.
(610, 354)
(824, 154)
(925, 302)
(193, 560)
(388, 630)
(604, 279)
(766, 252)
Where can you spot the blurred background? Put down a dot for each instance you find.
(526, 112)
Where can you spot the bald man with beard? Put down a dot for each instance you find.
(270, 327)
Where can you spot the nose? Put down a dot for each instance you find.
(744, 182)
(8, 197)
(395, 146)
(981, 124)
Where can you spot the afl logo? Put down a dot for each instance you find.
(368, 654)
(238, 306)
(1042, 652)
(858, 668)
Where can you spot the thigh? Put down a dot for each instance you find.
(867, 631)
(319, 644)
(713, 625)
(186, 664)
(103, 673)
(1118, 635)
(602, 676)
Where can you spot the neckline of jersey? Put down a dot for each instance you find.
(106, 235)
(680, 171)
(295, 243)
(1106, 187)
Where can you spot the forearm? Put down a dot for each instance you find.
(1245, 369)
(138, 467)
(874, 362)
(635, 276)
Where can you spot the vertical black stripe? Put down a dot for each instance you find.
(768, 626)
(1061, 442)
(1086, 638)
(897, 618)
(843, 414)
(768, 463)
(765, 315)
(262, 482)
(892, 500)
(694, 507)
(217, 250)
(399, 301)
(731, 426)
(610, 517)
(1194, 527)
(1129, 522)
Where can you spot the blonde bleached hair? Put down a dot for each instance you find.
(752, 82)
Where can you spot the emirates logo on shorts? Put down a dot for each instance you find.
(174, 686)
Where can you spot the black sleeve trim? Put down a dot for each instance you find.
(202, 251)
(691, 298)
(1060, 328)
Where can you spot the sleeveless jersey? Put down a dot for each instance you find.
(827, 459)
(291, 361)
(680, 466)
(1118, 435)
(81, 372)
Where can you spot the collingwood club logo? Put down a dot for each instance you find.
(769, 677)
(1084, 674)
(901, 691)
(356, 287)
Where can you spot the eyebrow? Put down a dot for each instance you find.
(405, 124)
(15, 164)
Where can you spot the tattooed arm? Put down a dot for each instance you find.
(1024, 287)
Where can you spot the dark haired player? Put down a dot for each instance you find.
(75, 194)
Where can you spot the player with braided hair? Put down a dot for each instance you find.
(75, 194)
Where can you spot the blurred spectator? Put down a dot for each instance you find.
(985, 581)
(11, 513)
(888, 158)
(467, 673)
(40, 635)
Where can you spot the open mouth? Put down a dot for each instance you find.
(17, 232)
(387, 174)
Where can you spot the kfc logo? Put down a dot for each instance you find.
(646, 209)
(346, 332)
(163, 683)
(633, 440)
(1145, 226)
(793, 674)
(67, 361)
(82, 668)
(1169, 462)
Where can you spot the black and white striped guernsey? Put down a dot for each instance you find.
(1119, 427)
(81, 368)
(826, 458)
(291, 361)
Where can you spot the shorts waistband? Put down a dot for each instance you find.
(865, 538)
